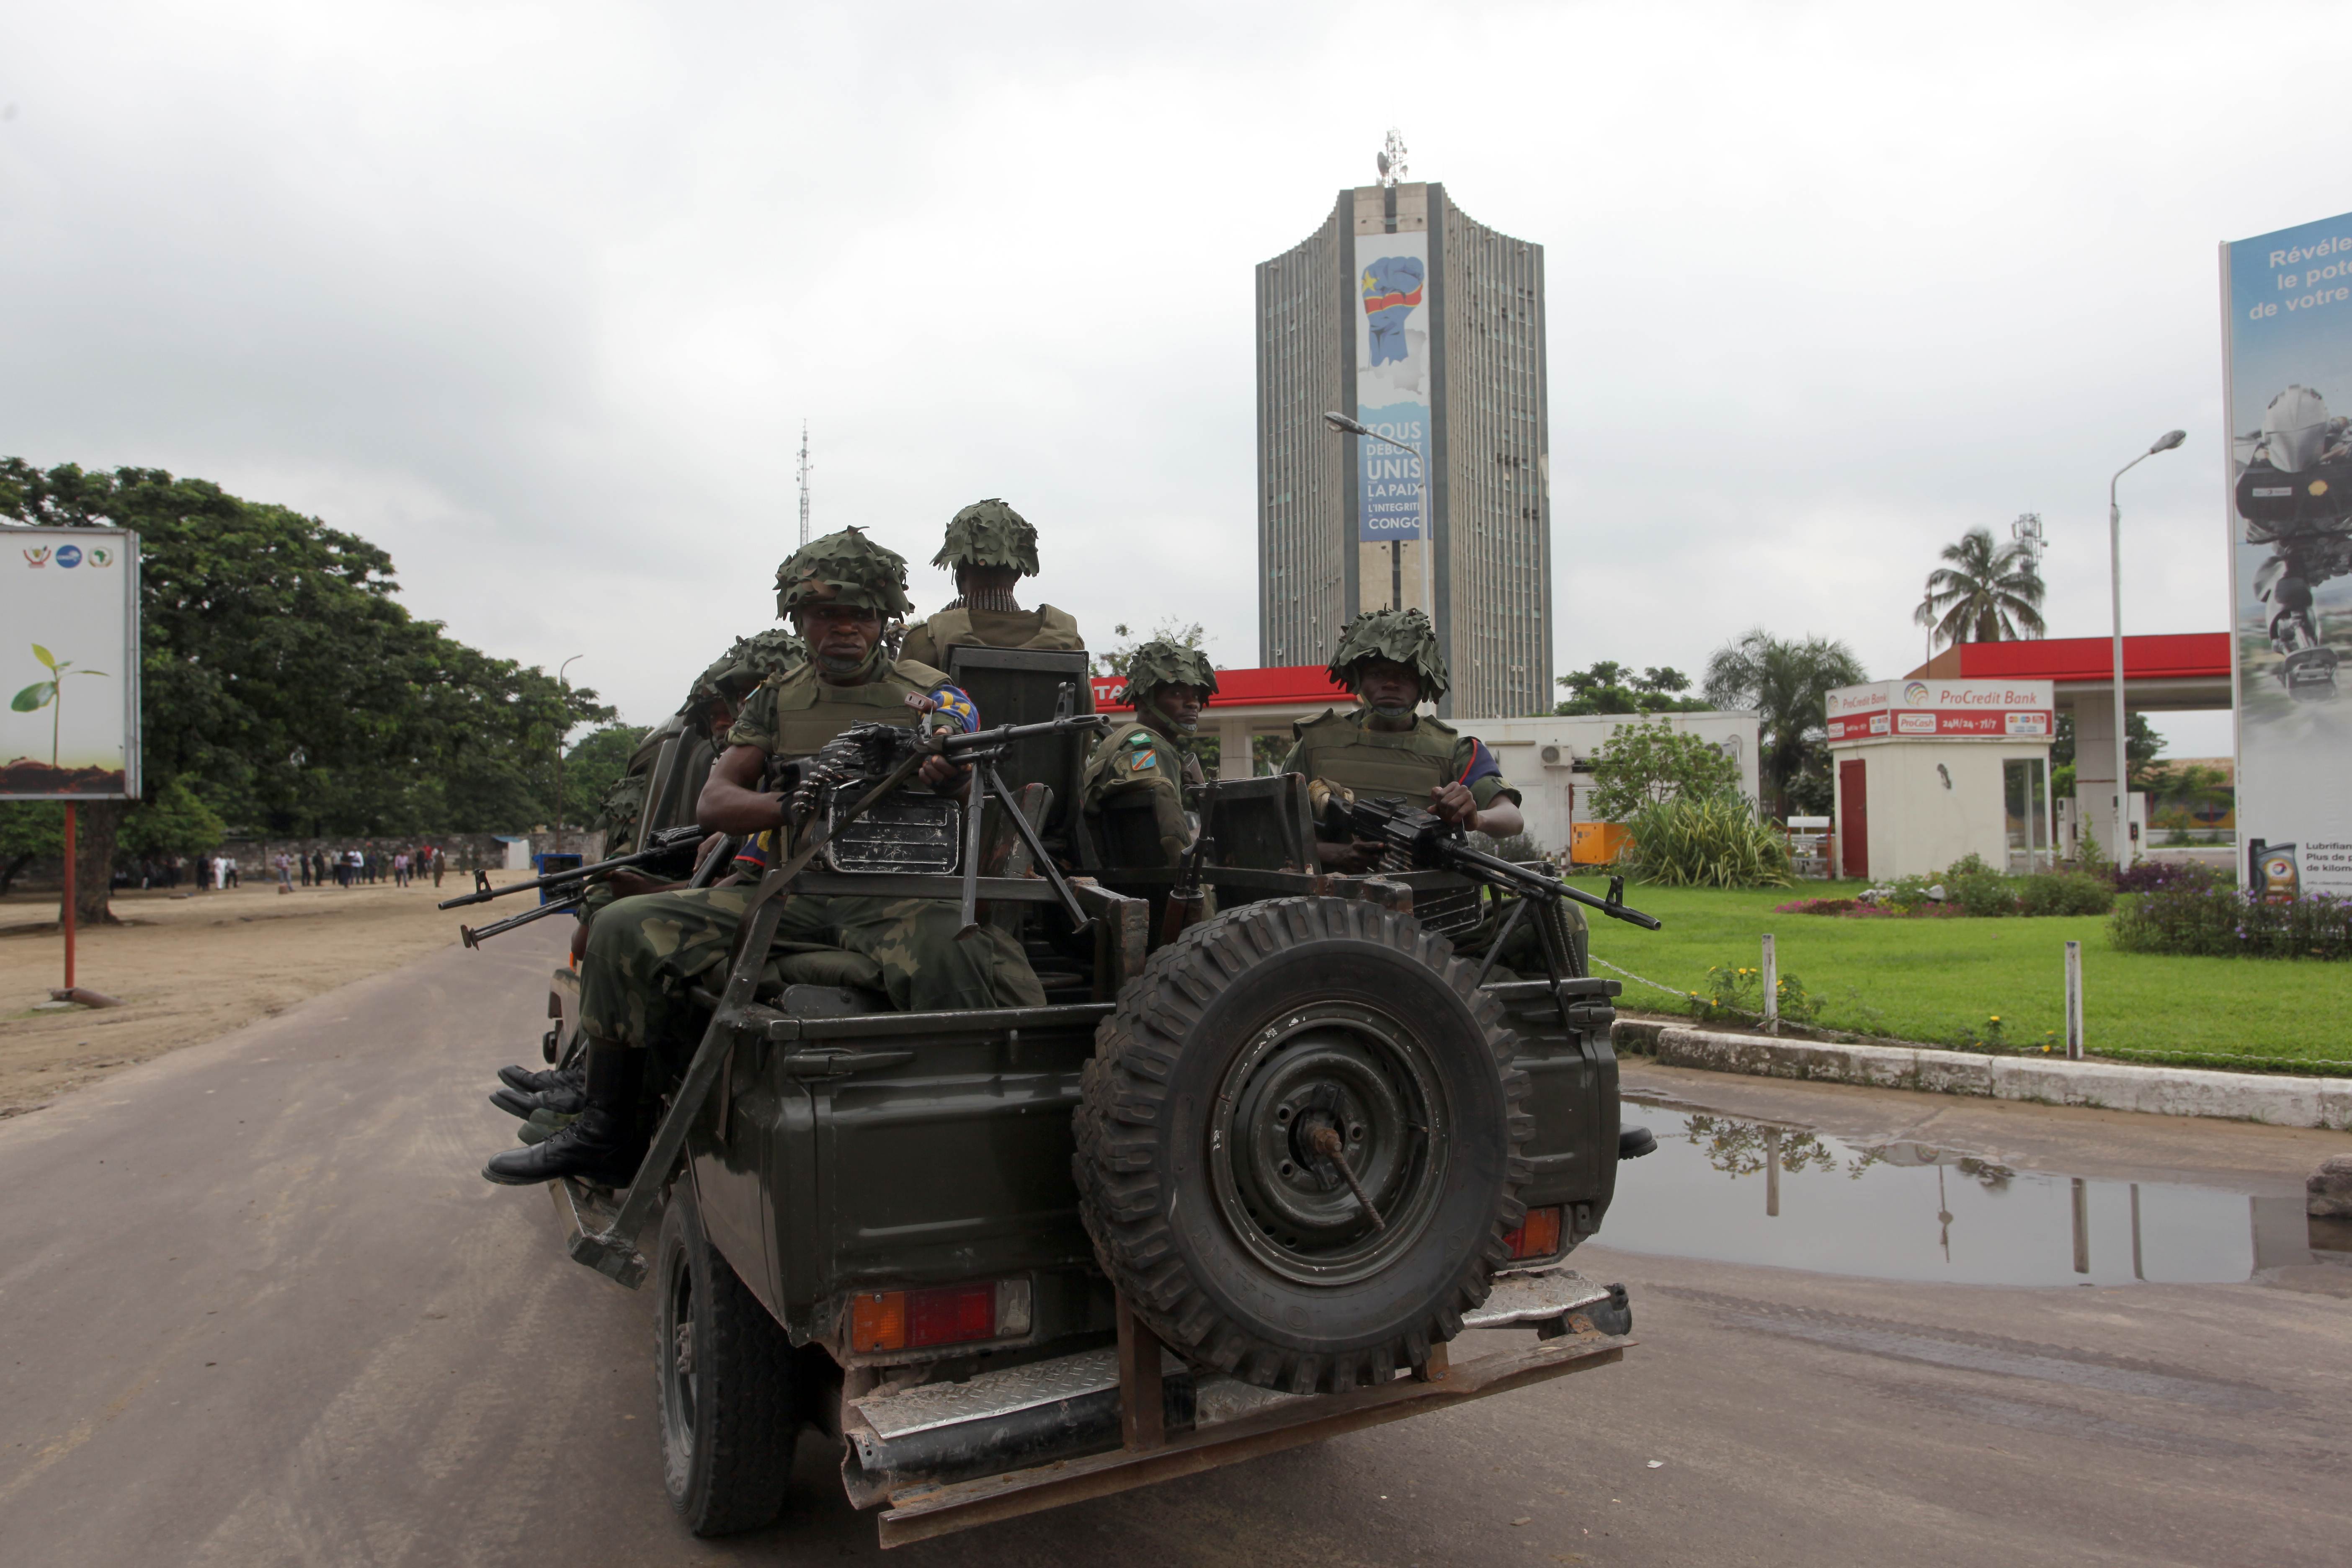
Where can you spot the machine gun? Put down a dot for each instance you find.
(1187, 897)
(1412, 839)
(671, 854)
(871, 763)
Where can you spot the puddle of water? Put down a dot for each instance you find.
(1746, 1191)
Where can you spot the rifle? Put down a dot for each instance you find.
(1187, 897)
(674, 846)
(1417, 840)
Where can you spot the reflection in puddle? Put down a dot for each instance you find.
(1748, 1191)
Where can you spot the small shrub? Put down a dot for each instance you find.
(1977, 889)
(2149, 876)
(2065, 893)
(1798, 1005)
(2214, 921)
(1715, 842)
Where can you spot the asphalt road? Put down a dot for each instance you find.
(257, 1308)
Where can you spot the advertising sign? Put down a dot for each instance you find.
(1393, 383)
(70, 664)
(1942, 709)
(2286, 343)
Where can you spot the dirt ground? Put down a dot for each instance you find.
(191, 967)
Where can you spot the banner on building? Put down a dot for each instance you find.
(70, 664)
(1394, 384)
(2286, 343)
(1951, 710)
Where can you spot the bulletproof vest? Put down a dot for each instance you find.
(809, 712)
(1044, 628)
(1339, 747)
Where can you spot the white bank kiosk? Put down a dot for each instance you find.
(1928, 770)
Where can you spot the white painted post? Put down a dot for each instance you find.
(2073, 1001)
(1771, 988)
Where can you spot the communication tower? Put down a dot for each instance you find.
(1390, 160)
(2027, 531)
(802, 472)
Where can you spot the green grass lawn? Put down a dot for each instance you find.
(1934, 979)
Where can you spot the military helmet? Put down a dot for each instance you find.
(845, 568)
(989, 533)
(1163, 661)
(1402, 636)
(752, 660)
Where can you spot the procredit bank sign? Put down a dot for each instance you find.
(1942, 709)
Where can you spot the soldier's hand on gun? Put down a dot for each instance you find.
(938, 773)
(1454, 803)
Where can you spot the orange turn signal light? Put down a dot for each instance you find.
(1538, 1235)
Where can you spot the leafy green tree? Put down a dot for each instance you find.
(1787, 685)
(1988, 592)
(594, 765)
(30, 830)
(176, 822)
(1608, 687)
(1647, 762)
(282, 679)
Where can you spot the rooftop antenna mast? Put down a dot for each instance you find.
(802, 473)
(1390, 159)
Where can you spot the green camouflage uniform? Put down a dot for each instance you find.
(645, 954)
(989, 533)
(1340, 753)
(1137, 760)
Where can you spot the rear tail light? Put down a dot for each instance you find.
(1538, 1235)
(944, 1315)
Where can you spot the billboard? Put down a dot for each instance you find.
(2287, 340)
(1393, 383)
(70, 664)
(1942, 709)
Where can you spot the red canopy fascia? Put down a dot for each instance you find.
(1285, 685)
(2167, 655)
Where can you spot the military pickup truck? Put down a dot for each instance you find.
(1233, 1190)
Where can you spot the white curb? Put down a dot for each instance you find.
(2158, 1091)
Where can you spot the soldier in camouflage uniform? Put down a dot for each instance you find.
(991, 548)
(1391, 659)
(645, 954)
(1147, 758)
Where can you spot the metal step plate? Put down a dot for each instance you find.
(1536, 1296)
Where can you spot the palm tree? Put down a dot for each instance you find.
(1990, 592)
(1788, 685)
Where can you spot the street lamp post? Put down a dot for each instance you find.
(1348, 426)
(2164, 443)
(564, 687)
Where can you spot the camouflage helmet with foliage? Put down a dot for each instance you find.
(1163, 661)
(752, 660)
(989, 533)
(844, 568)
(1402, 637)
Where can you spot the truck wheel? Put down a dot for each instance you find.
(727, 1415)
(1244, 1054)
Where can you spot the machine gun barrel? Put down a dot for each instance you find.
(1425, 841)
(951, 744)
(475, 935)
(666, 845)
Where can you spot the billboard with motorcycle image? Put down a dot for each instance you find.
(2287, 367)
(70, 664)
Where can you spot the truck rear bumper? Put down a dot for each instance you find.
(943, 1455)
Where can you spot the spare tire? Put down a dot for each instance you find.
(1246, 1057)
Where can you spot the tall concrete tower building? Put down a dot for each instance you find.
(1406, 313)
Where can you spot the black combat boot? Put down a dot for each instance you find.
(564, 1099)
(603, 1145)
(1632, 1143)
(524, 1081)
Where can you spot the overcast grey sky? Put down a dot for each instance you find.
(537, 296)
